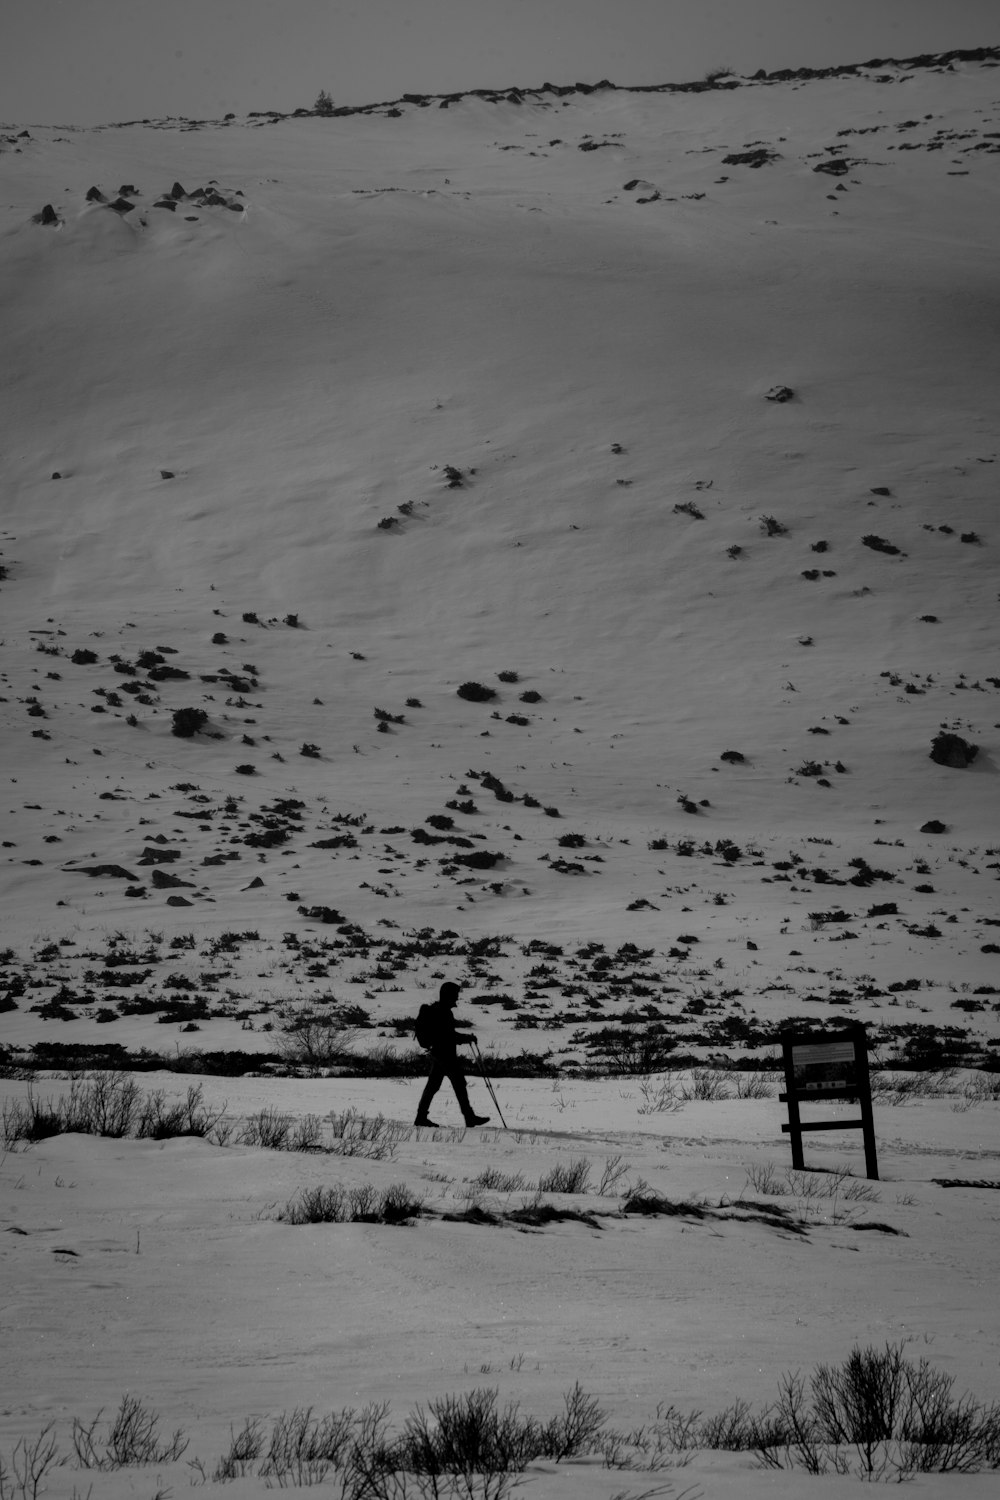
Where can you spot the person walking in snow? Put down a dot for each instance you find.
(438, 1032)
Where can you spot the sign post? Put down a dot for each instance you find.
(834, 1066)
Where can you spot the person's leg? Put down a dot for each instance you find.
(456, 1073)
(435, 1078)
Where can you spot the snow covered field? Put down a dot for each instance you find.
(310, 422)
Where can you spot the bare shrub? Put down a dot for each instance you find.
(981, 1088)
(569, 1177)
(360, 1204)
(753, 1086)
(317, 1205)
(904, 1088)
(304, 1448)
(634, 1050)
(157, 1120)
(307, 1135)
(878, 1416)
(245, 1447)
(268, 1128)
(763, 1178)
(398, 1205)
(316, 1041)
(491, 1179)
(102, 1104)
(471, 1436)
(30, 1463)
(371, 1136)
(30, 1119)
(659, 1097)
(132, 1438)
(615, 1168)
(707, 1083)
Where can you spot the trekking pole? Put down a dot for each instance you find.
(488, 1083)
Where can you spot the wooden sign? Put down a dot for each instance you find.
(834, 1066)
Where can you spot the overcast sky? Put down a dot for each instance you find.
(85, 62)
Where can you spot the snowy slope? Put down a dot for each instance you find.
(378, 297)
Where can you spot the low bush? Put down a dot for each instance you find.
(493, 1180)
(706, 1083)
(879, 544)
(269, 1129)
(952, 750)
(476, 692)
(111, 1105)
(568, 1177)
(131, 1439)
(159, 1120)
(470, 1435)
(362, 1204)
(370, 1136)
(188, 722)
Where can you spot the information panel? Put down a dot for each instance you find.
(834, 1066)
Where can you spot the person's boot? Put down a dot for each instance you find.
(424, 1121)
(476, 1119)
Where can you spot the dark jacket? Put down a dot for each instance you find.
(445, 1035)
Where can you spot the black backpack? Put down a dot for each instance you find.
(426, 1027)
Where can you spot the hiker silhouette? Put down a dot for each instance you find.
(439, 1033)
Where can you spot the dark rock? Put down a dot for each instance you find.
(94, 195)
(177, 191)
(128, 190)
(836, 168)
(166, 203)
(122, 206)
(933, 826)
(47, 215)
(179, 901)
(162, 880)
(159, 856)
(103, 872)
(780, 393)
